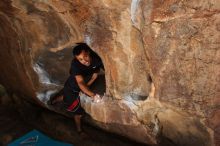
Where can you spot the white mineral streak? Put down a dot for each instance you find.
(134, 6)
(42, 74)
(45, 96)
(44, 79)
(87, 39)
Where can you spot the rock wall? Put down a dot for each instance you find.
(161, 62)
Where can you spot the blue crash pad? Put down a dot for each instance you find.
(36, 138)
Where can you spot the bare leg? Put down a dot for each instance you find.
(82, 134)
(77, 119)
(58, 99)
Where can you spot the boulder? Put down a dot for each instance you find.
(161, 59)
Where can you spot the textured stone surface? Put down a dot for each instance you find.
(161, 62)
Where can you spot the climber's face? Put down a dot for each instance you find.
(84, 58)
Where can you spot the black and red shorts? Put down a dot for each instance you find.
(72, 102)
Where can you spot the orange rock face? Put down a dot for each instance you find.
(162, 66)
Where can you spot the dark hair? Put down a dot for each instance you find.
(79, 48)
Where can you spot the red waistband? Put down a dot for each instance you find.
(73, 105)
